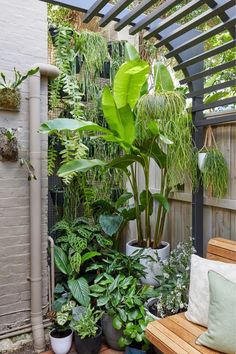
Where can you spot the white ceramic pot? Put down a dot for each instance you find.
(61, 345)
(201, 160)
(152, 268)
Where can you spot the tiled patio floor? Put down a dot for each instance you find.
(104, 350)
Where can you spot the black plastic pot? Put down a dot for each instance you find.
(57, 197)
(89, 345)
(111, 335)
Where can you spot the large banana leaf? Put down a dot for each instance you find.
(80, 290)
(162, 78)
(129, 81)
(131, 52)
(123, 162)
(59, 124)
(120, 121)
(81, 165)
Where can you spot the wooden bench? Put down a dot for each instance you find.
(175, 334)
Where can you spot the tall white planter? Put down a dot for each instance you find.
(61, 345)
(152, 268)
(201, 160)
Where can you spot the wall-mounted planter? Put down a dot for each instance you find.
(8, 146)
(10, 99)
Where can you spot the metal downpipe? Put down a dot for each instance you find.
(49, 71)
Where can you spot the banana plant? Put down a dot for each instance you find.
(140, 139)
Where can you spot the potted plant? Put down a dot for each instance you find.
(121, 296)
(146, 127)
(9, 90)
(171, 295)
(61, 335)
(88, 334)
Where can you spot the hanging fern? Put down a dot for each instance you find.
(215, 172)
(52, 157)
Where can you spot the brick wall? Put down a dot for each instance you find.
(23, 42)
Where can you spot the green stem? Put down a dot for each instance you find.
(147, 211)
(136, 202)
(159, 220)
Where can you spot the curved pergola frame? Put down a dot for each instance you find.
(186, 44)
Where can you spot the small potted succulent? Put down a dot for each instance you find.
(171, 296)
(88, 334)
(9, 90)
(61, 334)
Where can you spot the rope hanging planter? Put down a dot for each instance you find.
(213, 167)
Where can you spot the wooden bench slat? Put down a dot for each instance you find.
(158, 327)
(162, 343)
(223, 252)
(219, 258)
(223, 242)
(182, 321)
(186, 334)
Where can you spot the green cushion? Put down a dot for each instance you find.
(221, 334)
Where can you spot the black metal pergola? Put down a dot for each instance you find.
(186, 44)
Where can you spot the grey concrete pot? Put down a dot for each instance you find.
(111, 335)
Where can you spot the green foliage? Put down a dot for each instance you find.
(122, 297)
(162, 78)
(173, 289)
(64, 315)
(215, 172)
(18, 79)
(85, 321)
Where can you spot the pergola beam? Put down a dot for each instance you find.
(94, 10)
(207, 15)
(115, 10)
(213, 88)
(177, 15)
(202, 37)
(224, 102)
(208, 54)
(208, 72)
(158, 12)
(138, 10)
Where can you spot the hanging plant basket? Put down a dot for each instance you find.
(213, 167)
(10, 99)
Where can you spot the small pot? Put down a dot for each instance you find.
(10, 99)
(148, 306)
(201, 160)
(111, 335)
(152, 268)
(61, 341)
(89, 345)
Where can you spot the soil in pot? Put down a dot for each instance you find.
(89, 345)
(111, 335)
(61, 341)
